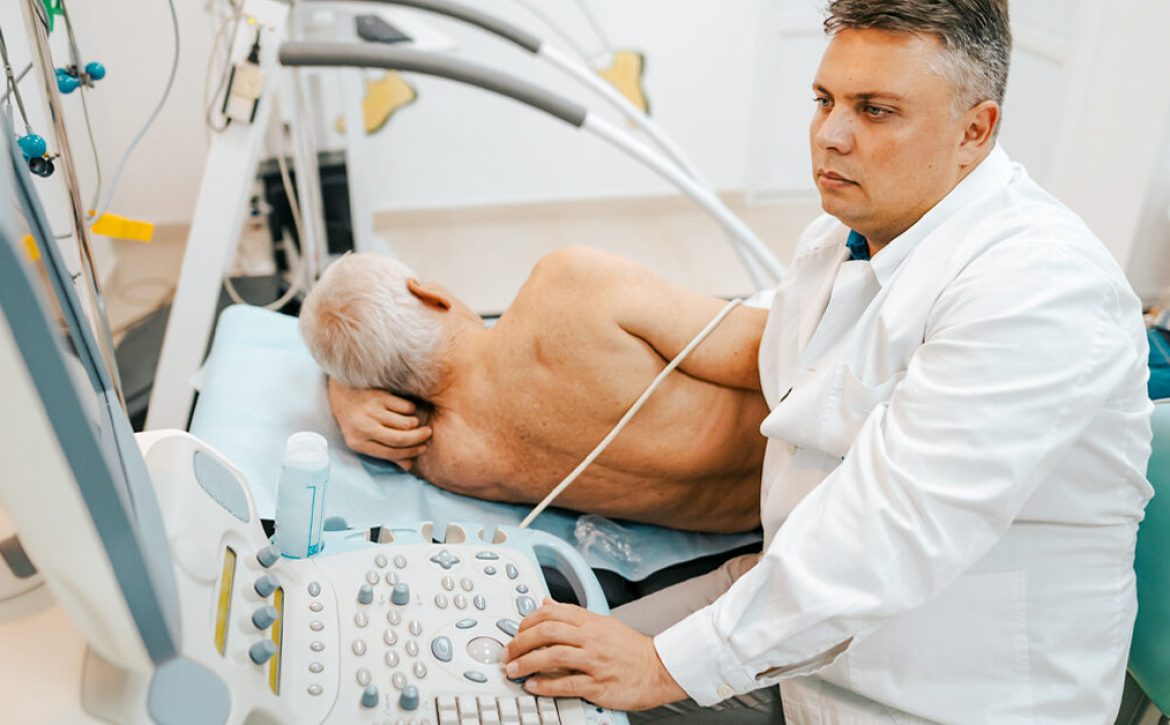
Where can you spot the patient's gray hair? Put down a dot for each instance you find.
(365, 329)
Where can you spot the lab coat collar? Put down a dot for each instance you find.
(991, 173)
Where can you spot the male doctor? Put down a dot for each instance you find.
(959, 429)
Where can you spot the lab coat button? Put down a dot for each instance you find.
(724, 692)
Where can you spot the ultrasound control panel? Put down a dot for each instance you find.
(387, 626)
(415, 633)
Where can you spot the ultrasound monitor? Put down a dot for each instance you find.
(72, 480)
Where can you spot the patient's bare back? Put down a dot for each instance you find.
(562, 373)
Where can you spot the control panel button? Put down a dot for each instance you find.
(317, 646)
(412, 648)
(480, 602)
(408, 700)
(475, 676)
(394, 617)
(391, 659)
(548, 711)
(398, 680)
(508, 626)
(266, 585)
(268, 556)
(365, 594)
(391, 577)
(316, 625)
(445, 559)
(262, 651)
(522, 588)
(467, 584)
(441, 649)
(400, 561)
(420, 670)
(401, 594)
(390, 637)
(314, 589)
(487, 556)
(359, 647)
(373, 577)
(315, 606)
(460, 601)
(441, 601)
(466, 623)
(485, 650)
(316, 668)
(263, 617)
(489, 570)
(363, 677)
(380, 561)
(360, 620)
(370, 696)
(448, 582)
(415, 627)
(511, 571)
(315, 690)
(525, 606)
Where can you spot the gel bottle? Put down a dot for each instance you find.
(300, 495)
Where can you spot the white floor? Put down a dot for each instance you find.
(484, 255)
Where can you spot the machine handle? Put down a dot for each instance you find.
(555, 553)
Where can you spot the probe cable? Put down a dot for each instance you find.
(552, 495)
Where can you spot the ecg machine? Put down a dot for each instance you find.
(152, 546)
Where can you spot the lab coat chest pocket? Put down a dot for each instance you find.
(825, 410)
(850, 403)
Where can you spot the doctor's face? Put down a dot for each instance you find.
(885, 144)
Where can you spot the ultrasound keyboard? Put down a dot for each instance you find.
(412, 633)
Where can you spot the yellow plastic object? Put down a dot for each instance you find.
(384, 97)
(625, 74)
(120, 227)
(30, 248)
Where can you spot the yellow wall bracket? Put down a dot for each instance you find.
(625, 74)
(385, 96)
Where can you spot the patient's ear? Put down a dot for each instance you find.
(430, 294)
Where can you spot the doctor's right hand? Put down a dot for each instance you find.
(379, 424)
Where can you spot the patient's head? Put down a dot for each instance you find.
(367, 326)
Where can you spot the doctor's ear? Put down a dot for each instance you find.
(979, 125)
(430, 294)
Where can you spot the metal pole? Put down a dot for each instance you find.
(43, 60)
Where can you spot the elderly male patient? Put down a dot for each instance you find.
(515, 407)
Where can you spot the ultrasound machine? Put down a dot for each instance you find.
(151, 546)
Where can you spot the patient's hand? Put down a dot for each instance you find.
(378, 423)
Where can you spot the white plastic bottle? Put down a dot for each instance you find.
(300, 495)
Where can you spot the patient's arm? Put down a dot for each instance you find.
(378, 423)
(665, 315)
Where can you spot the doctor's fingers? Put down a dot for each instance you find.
(544, 634)
(553, 611)
(556, 659)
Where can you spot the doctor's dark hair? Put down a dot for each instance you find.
(975, 35)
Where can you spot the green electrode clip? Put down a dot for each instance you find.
(52, 8)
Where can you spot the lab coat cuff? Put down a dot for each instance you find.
(700, 661)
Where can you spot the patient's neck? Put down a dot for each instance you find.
(468, 364)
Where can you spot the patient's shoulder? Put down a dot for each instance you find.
(583, 265)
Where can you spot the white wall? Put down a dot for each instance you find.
(461, 146)
(1086, 110)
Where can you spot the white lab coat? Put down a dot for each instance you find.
(954, 476)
